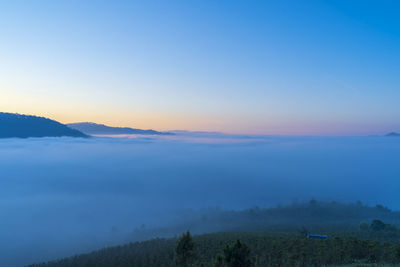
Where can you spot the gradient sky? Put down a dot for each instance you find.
(260, 67)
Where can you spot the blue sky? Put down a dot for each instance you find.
(261, 67)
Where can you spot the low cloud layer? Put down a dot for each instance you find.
(61, 196)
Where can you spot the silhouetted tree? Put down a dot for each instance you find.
(219, 261)
(237, 255)
(377, 225)
(184, 251)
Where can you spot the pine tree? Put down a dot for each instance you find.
(237, 255)
(184, 251)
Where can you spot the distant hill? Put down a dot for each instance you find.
(393, 134)
(24, 126)
(94, 128)
(316, 215)
(183, 132)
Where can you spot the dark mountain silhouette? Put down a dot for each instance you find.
(393, 134)
(23, 126)
(94, 128)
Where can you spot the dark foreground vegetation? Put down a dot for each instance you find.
(371, 242)
(241, 250)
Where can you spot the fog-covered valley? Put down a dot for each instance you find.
(61, 196)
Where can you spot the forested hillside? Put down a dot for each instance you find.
(356, 234)
(257, 249)
(315, 215)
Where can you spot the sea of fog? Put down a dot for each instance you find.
(60, 196)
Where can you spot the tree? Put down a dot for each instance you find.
(377, 225)
(237, 255)
(219, 261)
(184, 251)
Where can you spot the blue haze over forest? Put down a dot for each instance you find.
(74, 199)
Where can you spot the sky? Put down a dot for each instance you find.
(254, 67)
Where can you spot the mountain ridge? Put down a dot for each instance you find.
(92, 128)
(14, 125)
